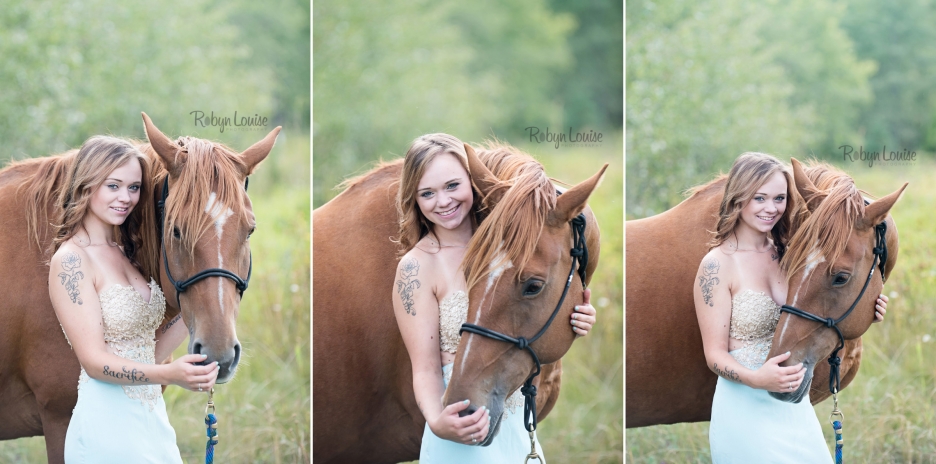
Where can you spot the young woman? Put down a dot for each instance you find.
(737, 291)
(110, 308)
(437, 207)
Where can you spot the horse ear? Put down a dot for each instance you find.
(490, 188)
(876, 212)
(167, 150)
(259, 151)
(572, 201)
(804, 186)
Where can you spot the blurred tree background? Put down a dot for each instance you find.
(72, 70)
(386, 73)
(707, 81)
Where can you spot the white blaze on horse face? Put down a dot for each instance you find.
(493, 276)
(214, 210)
(813, 260)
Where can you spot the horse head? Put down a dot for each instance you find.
(206, 219)
(517, 267)
(834, 267)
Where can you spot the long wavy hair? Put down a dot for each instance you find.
(413, 225)
(747, 175)
(88, 169)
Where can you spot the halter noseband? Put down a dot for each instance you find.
(579, 254)
(880, 260)
(181, 286)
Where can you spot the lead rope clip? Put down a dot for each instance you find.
(533, 454)
(211, 422)
(837, 427)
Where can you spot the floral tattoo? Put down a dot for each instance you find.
(708, 279)
(71, 262)
(408, 283)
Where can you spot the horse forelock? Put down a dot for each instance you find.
(210, 180)
(825, 231)
(512, 229)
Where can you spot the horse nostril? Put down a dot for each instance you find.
(197, 348)
(467, 411)
(237, 353)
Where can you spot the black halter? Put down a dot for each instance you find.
(880, 260)
(180, 287)
(579, 254)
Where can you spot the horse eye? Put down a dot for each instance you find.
(840, 279)
(176, 233)
(532, 287)
(252, 229)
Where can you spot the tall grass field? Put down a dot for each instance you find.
(263, 413)
(890, 407)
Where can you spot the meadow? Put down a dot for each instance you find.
(890, 407)
(263, 413)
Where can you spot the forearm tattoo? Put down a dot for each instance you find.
(71, 262)
(133, 376)
(726, 373)
(171, 323)
(708, 280)
(408, 283)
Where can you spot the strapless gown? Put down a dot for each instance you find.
(512, 443)
(123, 423)
(748, 425)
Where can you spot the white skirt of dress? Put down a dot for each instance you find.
(748, 425)
(107, 426)
(510, 446)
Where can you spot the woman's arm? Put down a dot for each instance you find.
(168, 337)
(78, 308)
(713, 309)
(417, 315)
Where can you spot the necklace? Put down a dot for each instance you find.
(769, 248)
(440, 245)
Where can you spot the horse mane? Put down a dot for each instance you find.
(40, 187)
(381, 165)
(514, 225)
(825, 230)
(210, 175)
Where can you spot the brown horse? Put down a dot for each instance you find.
(668, 380)
(830, 261)
(364, 409)
(38, 370)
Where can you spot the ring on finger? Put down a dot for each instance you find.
(199, 387)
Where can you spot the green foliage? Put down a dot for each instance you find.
(387, 73)
(73, 70)
(591, 89)
(708, 81)
(901, 39)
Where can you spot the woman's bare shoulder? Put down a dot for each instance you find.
(716, 261)
(70, 257)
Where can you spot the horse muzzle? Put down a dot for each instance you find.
(227, 359)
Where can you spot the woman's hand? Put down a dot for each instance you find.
(186, 374)
(583, 318)
(468, 430)
(880, 308)
(776, 378)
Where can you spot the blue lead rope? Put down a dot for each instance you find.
(211, 422)
(837, 426)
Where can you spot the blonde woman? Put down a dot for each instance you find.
(739, 289)
(438, 210)
(101, 281)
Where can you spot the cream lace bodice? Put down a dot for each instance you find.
(453, 312)
(754, 317)
(130, 324)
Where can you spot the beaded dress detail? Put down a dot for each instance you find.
(754, 317)
(453, 312)
(129, 326)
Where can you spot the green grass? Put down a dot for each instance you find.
(263, 414)
(890, 407)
